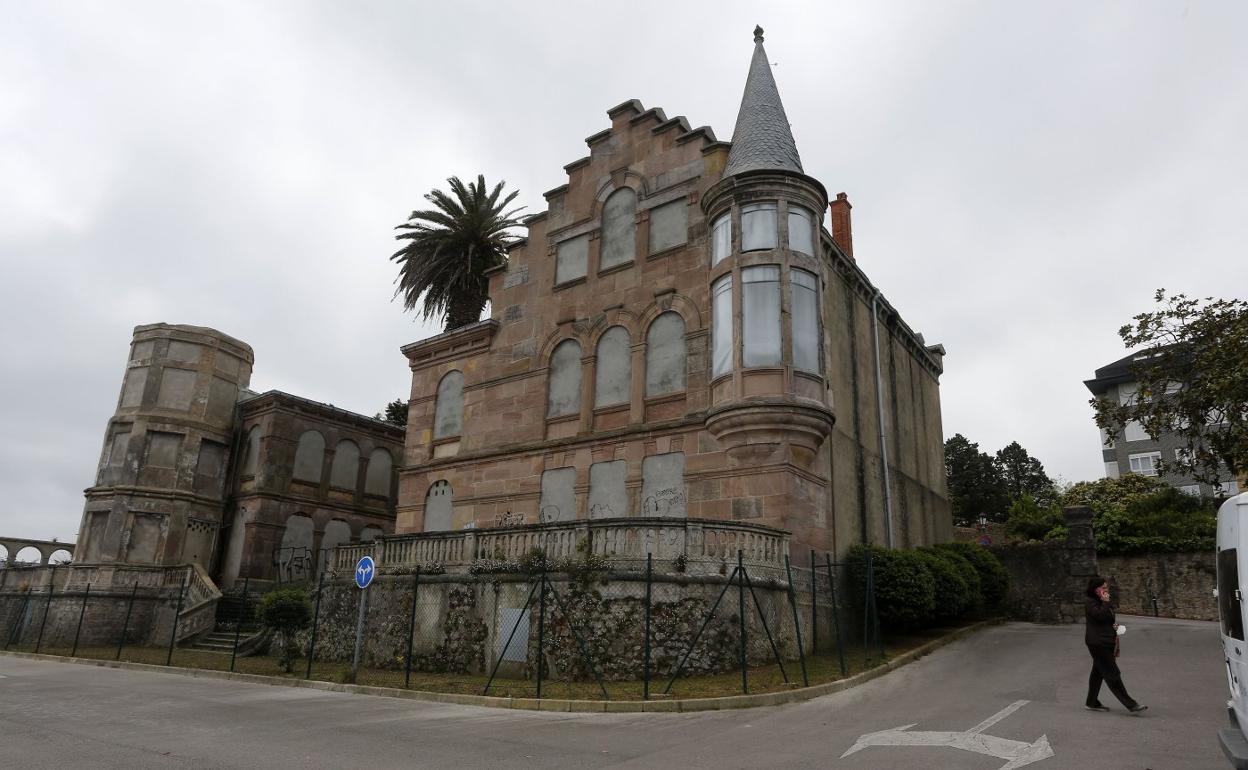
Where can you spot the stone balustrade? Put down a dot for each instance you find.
(707, 546)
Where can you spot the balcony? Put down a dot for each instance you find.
(708, 547)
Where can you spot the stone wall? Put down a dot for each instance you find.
(1048, 580)
(148, 594)
(1183, 584)
(463, 623)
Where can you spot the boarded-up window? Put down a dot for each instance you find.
(669, 225)
(608, 497)
(162, 450)
(116, 460)
(571, 258)
(619, 229)
(221, 397)
(438, 507)
(564, 396)
(665, 355)
(614, 374)
(251, 452)
(337, 532)
(310, 457)
(183, 351)
(663, 485)
(558, 501)
(210, 468)
(377, 481)
(346, 468)
(448, 412)
(177, 388)
(132, 390)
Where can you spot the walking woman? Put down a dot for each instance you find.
(1101, 636)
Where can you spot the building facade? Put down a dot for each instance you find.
(679, 336)
(198, 469)
(1137, 452)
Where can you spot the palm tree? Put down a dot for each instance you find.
(451, 247)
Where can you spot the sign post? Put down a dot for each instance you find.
(365, 571)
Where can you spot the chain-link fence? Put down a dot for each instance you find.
(534, 630)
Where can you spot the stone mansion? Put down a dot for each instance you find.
(678, 335)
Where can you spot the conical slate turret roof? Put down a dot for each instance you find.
(762, 139)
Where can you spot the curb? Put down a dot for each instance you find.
(545, 704)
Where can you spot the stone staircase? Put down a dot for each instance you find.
(236, 619)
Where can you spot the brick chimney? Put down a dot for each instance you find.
(842, 232)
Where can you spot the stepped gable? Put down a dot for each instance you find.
(762, 139)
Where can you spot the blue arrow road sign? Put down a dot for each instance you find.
(365, 570)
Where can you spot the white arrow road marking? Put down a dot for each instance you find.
(1017, 753)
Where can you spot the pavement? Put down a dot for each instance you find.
(1007, 697)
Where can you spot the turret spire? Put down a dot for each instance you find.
(762, 138)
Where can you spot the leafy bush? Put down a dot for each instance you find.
(1141, 514)
(953, 593)
(286, 611)
(994, 581)
(1168, 520)
(905, 595)
(1029, 520)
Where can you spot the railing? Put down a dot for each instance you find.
(705, 546)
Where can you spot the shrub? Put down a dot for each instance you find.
(952, 594)
(994, 581)
(970, 576)
(905, 597)
(286, 611)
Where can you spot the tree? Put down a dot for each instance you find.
(286, 611)
(450, 249)
(395, 414)
(1192, 383)
(1023, 474)
(976, 487)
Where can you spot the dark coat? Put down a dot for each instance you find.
(1099, 630)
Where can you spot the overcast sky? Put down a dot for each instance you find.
(1024, 176)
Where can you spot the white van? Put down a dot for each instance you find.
(1232, 568)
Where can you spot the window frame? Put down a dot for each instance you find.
(1152, 466)
(813, 288)
(752, 210)
(721, 328)
(721, 238)
(803, 213)
(753, 353)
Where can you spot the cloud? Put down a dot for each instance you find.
(1023, 178)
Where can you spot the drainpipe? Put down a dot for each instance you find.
(879, 403)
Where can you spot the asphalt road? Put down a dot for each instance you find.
(59, 715)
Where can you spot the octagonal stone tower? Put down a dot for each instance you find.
(158, 493)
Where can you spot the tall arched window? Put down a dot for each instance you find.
(619, 229)
(564, 396)
(310, 457)
(665, 355)
(346, 468)
(448, 412)
(614, 376)
(438, 507)
(377, 480)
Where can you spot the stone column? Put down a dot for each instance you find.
(1081, 564)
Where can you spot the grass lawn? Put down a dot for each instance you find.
(821, 668)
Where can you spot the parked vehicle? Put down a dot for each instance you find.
(1232, 565)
